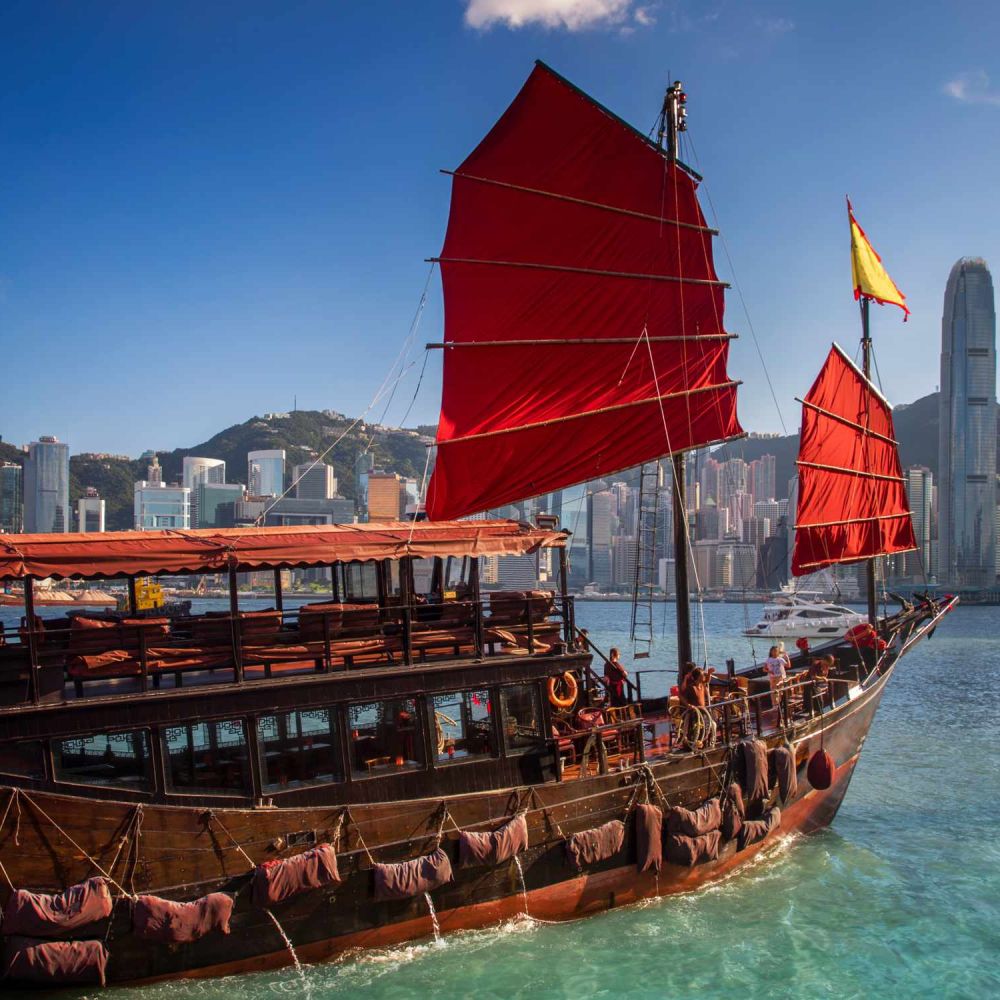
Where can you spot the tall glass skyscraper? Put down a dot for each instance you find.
(11, 498)
(266, 473)
(46, 486)
(967, 450)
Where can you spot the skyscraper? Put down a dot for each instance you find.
(266, 473)
(46, 486)
(11, 498)
(967, 449)
(314, 482)
(201, 470)
(920, 493)
(90, 511)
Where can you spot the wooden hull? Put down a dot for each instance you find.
(186, 852)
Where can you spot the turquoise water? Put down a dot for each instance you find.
(901, 896)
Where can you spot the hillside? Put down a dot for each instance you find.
(916, 430)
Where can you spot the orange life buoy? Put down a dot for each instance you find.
(570, 686)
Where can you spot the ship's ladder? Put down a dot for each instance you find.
(645, 580)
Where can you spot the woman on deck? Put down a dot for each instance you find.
(777, 665)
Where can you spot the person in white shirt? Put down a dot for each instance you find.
(777, 665)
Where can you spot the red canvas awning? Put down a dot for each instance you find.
(852, 497)
(131, 553)
(583, 314)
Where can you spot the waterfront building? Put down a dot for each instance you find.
(967, 451)
(266, 473)
(386, 496)
(208, 501)
(293, 510)
(762, 478)
(364, 465)
(201, 470)
(157, 506)
(90, 511)
(920, 494)
(623, 553)
(517, 572)
(11, 498)
(314, 481)
(154, 474)
(46, 486)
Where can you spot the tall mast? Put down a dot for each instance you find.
(673, 121)
(866, 353)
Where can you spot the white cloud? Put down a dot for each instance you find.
(775, 25)
(573, 15)
(973, 88)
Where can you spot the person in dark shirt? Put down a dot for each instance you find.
(615, 676)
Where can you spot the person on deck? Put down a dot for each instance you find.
(819, 674)
(776, 665)
(694, 694)
(615, 676)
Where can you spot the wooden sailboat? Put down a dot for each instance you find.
(199, 796)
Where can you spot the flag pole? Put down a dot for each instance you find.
(866, 356)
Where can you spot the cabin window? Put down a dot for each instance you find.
(456, 577)
(424, 576)
(25, 759)
(298, 748)
(208, 757)
(385, 737)
(360, 582)
(522, 717)
(462, 725)
(120, 760)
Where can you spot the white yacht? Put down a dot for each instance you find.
(796, 616)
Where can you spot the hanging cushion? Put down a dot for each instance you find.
(648, 837)
(274, 881)
(591, 846)
(58, 963)
(820, 770)
(683, 850)
(755, 767)
(693, 823)
(733, 811)
(157, 919)
(39, 915)
(410, 878)
(754, 830)
(785, 771)
(493, 848)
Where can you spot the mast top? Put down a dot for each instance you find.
(673, 119)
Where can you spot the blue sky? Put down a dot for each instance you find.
(207, 209)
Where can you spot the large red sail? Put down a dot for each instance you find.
(583, 313)
(852, 499)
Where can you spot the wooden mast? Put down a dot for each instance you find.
(672, 122)
(866, 352)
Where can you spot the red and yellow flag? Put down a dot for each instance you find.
(869, 276)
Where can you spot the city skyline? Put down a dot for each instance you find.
(186, 220)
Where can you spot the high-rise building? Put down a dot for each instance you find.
(920, 494)
(761, 479)
(732, 479)
(364, 465)
(967, 450)
(11, 498)
(198, 470)
(90, 511)
(314, 482)
(266, 473)
(386, 495)
(157, 506)
(208, 498)
(46, 486)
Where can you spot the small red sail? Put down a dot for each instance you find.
(583, 313)
(852, 499)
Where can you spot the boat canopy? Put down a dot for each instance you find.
(583, 313)
(214, 550)
(852, 496)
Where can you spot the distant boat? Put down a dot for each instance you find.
(799, 616)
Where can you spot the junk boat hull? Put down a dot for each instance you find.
(187, 852)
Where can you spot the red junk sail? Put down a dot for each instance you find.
(852, 501)
(583, 313)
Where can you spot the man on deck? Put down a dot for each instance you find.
(694, 694)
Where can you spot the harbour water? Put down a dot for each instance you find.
(901, 896)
